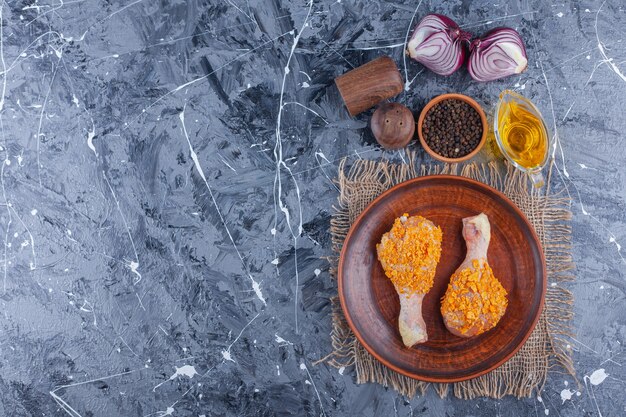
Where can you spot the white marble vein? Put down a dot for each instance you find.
(280, 163)
(43, 109)
(65, 406)
(194, 156)
(408, 83)
(6, 151)
(90, 135)
(186, 370)
(601, 48)
(226, 353)
(204, 77)
(33, 263)
(132, 265)
(305, 368)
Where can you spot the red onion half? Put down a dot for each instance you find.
(437, 43)
(499, 53)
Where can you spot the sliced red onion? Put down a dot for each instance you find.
(499, 53)
(437, 43)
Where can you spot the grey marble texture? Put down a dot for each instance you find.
(166, 197)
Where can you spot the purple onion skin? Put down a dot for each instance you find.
(497, 54)
(445, 19)
(443, 34)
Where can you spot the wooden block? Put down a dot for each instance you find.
(366, 86)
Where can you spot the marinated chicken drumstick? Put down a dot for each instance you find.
(475, 301)
(409, 254)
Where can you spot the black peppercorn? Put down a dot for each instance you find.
(452, 128)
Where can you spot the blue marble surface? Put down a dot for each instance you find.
(166, 197)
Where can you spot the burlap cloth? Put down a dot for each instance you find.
(544, 350)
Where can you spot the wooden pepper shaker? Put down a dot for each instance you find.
(366, 86)
(393, 125)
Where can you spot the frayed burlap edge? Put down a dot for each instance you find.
(545, 349)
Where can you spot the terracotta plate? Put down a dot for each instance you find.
(371, 304)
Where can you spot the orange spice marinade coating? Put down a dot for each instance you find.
(475, 299)
(409, 254)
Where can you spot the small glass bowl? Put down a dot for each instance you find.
(506, 97)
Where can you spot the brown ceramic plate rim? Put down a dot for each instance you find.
(452, 96)
(361, 218)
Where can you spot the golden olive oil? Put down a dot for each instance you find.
(522, 134)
